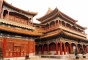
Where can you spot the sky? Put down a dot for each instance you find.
(76, 9)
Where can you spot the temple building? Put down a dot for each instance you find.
(57, 34)
(17, 34)
(61, 35)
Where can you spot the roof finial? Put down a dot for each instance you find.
(56, 7)
(49, 10)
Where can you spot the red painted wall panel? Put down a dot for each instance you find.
(17, 48)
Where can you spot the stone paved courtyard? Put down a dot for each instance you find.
(50, 57)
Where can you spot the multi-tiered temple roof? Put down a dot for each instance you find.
(51, 15)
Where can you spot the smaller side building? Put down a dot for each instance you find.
(17, 34)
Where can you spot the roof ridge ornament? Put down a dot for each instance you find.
(49, 10)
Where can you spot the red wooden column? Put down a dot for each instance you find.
(4, 46)
(70, 48)
(64, 49)
(28, 47)
(33, 47)
(28, 22)
(58, 22)
(61, 23)
(55, 23)
(42, 49)
(49, 25)
(48, 47)
(56, 48)
(87, 49)
(77, 48)
(38, 49)
(60, 48)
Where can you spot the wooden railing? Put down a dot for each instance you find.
(67, 29)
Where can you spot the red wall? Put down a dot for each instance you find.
(16, 48)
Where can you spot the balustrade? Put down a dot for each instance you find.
(66, 28)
